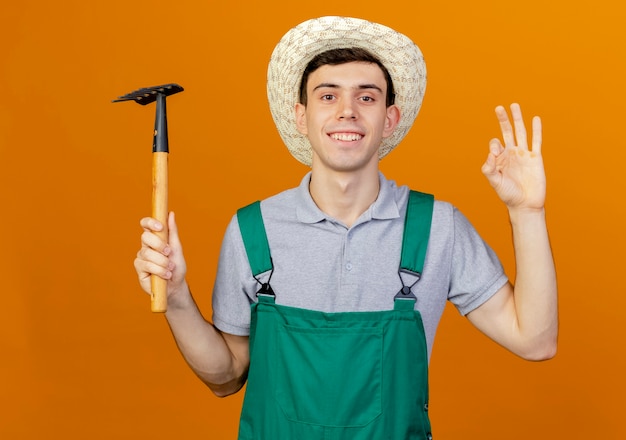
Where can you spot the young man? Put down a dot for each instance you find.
(328, 295)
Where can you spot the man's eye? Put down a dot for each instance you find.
(367, 98)
(327, 97)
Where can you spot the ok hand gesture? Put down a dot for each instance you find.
(514, 170)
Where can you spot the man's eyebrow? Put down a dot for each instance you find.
(326, 86)
(370, 86)
(336, 86)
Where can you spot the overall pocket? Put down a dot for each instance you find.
(329, 376)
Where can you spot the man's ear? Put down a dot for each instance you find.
(301, 125)
(392, 120)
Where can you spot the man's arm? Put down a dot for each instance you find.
(220, 360)
(523, 318)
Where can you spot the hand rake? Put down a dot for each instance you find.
(160, 150)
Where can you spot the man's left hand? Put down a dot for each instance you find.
(514, 170)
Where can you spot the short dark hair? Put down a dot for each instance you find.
(335, 57)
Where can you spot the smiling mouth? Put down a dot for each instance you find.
(348, 137)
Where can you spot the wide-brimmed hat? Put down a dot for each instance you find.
(400, 56)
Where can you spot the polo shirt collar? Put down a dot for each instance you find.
(384, 207)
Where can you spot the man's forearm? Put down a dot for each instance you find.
(535, 285)
(204, 347)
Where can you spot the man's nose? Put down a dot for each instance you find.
(346, 110)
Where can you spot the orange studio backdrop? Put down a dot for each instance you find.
(83, 356)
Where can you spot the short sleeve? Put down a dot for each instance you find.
(476, 271)
(235, 287)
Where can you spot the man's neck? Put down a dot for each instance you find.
(344, 196)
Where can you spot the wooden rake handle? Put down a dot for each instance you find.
(158, 285)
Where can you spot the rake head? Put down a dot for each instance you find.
(147, 95)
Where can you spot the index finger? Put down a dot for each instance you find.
(151, 224)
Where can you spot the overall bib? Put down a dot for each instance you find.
(330, 376)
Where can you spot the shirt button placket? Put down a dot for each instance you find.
(346, 248)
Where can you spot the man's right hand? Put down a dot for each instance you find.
(159, 258)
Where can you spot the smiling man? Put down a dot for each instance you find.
(328, 295)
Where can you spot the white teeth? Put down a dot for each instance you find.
(346, 136)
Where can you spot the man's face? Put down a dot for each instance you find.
(346, 116)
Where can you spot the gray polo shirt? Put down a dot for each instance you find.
(320, 264)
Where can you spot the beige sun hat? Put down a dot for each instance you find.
(402, 58)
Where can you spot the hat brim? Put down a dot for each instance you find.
(402, 58)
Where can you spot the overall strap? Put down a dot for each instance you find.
(255, 242)
(419, 215)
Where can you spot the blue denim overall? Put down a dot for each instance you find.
(330, 376)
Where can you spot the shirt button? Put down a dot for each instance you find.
(349, 266)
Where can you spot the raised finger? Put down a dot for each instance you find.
(537, 135)
(505, 127)
(520, 129)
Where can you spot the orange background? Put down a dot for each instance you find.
(81, 354)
